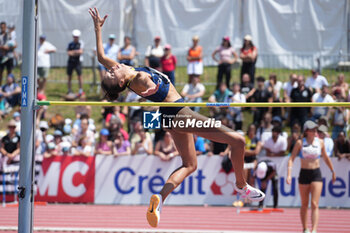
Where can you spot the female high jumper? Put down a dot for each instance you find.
(156, 87)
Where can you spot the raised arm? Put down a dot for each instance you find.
(98, 23)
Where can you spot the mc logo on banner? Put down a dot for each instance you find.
(67, 179)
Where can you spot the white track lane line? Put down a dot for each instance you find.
(126, 230)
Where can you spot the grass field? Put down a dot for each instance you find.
(57, 87)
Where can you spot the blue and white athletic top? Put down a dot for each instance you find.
(157, 77)
(310, 151)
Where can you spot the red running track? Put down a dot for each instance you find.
(220, 219)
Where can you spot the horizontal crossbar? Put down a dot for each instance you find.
(204, 104)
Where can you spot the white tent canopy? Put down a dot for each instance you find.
(285, 32)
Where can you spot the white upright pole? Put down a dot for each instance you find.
(26, 171)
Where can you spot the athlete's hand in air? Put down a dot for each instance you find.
(150, 91)
(98, 21)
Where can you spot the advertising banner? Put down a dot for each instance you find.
(133, 179)
(67, 179)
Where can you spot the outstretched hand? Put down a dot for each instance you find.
(98, 21)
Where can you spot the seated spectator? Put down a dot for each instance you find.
(265, 125)
(104, 146)
(328, 142)
(300, 94)
(67, 150)
(217, 148)
(51, 150)
(223, 94)
(252, 150)
(261, 95)
(136, 134)
(193, 92)
(274, 87)
(40, 139)
(133, 111)
(294, 137)
(323, 120)
(11, 91)
(289, 86)
(77, 124)
(165, 148)
(84, 132)
(340, 120)
(266, 170)
(57, 134)
(276, 122)
(83, 148)
(247, 87)
(10, 144)
(121, 146)
(340, 88)
(316, 81)
(67, 136)
(342, 147)
(199, 145)
(276, 145)
(115, 127)
(287, 91)
(235, 113)
(105, 110)
(143, 146)
(82, 109)
(115, 114)
(322, 97)
(17, 118)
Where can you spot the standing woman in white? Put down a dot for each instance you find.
(310, 149)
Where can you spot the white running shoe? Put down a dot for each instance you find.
(251, 193)
(154, 209)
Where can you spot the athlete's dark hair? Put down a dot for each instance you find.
(111, 89)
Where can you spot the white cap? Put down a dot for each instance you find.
(248, 37)
(49, 138)
(261, 170)
(43, 124)
(76, 33)
(68, 121)
(309, 125)
(51, 145)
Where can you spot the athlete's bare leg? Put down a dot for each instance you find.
(222, 135)
(185, 145)
(304, 190)
(316, 189)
